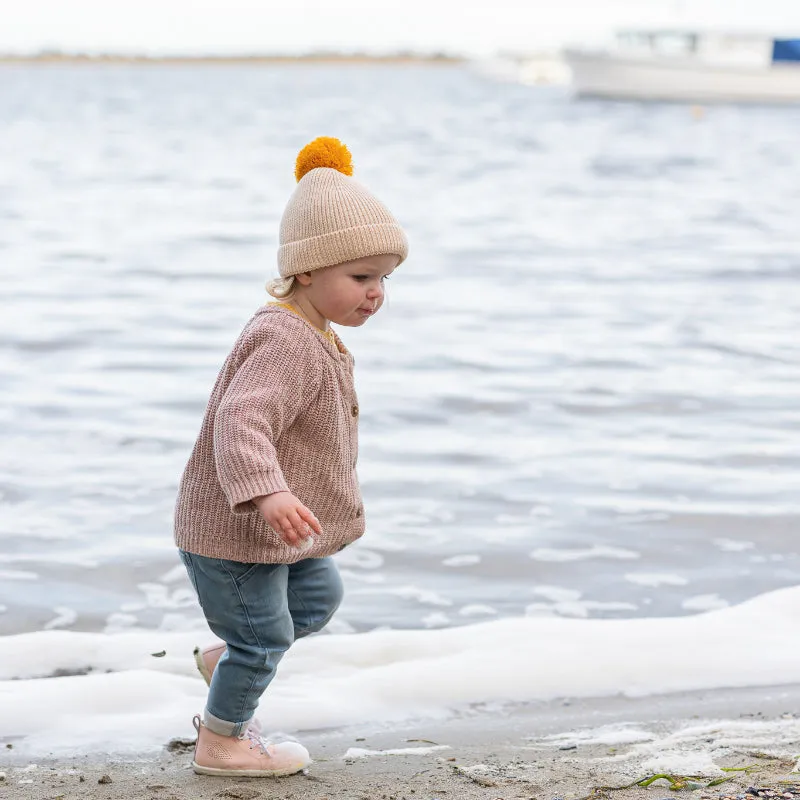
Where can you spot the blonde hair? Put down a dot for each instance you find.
(281, 288)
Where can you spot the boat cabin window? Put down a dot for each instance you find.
(712, 48)
(666, 43)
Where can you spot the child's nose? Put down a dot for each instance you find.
(375, 292)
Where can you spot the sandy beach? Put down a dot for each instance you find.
(561, 749)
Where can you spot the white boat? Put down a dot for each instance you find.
(534, 69)
(690, 66)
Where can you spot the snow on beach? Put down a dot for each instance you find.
(139, 700)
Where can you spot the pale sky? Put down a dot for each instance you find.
(291, 26)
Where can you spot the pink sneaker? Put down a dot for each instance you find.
(208, 658)
(248, 756)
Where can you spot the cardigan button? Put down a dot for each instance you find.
(355, 411)
(359, 512)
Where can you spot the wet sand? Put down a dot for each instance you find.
(484, 753)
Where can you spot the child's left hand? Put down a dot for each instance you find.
(292, 520)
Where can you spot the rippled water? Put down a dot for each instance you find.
(583, 396)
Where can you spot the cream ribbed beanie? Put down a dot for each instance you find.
(332, 218)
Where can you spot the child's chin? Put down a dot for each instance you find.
(352, 322)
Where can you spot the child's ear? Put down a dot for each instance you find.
(304, 278)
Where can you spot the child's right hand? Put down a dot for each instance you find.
(286, 515)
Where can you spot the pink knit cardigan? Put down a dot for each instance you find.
(283, 415)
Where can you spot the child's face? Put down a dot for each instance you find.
(350, 293)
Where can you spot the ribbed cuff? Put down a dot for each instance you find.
(347, 244)
(224, 728)
(241, 493)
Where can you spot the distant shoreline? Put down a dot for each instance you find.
(392, 59)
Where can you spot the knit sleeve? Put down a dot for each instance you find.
(268, 391)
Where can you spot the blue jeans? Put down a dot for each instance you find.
(258, 610)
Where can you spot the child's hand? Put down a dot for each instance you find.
(284, 513)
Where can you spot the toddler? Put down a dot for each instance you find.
(270, 491)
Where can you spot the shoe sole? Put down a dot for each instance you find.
(247, 773)
(201, 666)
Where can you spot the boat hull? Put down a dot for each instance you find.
(607, 75)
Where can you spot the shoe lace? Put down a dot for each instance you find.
(257, 741)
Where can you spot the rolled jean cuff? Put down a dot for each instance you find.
(224, 728)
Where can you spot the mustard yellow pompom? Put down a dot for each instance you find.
(324, 151)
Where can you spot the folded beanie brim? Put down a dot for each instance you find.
(336, 247)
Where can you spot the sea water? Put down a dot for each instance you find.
(579, 402)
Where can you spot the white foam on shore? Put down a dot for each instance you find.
(360, 752)
(134, 701)
(684, 748)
